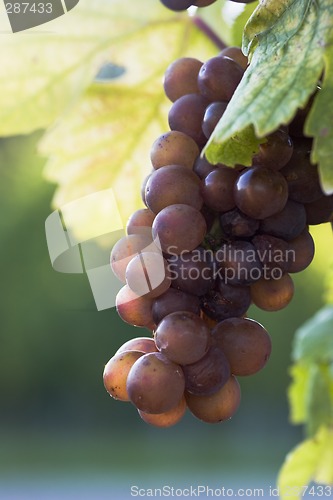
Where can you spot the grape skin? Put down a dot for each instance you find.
(172, 301)
(217, 407)
(127, 247)
(181, 78)
(304, 249)
(261, 192)
(218, 78)
(155, 384)
(235, 224)
(141, 344)
(180, 228)
(226, 301)
(166, 419)
(147, 275)
(286, 224)
(218, 189)
(183, 337)
(174, 148)
(173, 184)
(140, 222)
(116, 372)
(132, 309)
(212, 116)
(237, 55)
(177, 5)
(186, 115)
(208, 374)
(245, 343)
(274, 294)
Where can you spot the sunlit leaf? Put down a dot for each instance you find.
(297, 393)
(44, 72)
(314, 339)
(312, 460)
(320, 124)
(286, 40)
(105, 141)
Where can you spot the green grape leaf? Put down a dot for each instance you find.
(45, 71)
(319, 124)
(105, 140)
(297, 390)
(312, 460)
(286, 41)
(314, 339)
(318, 401)
(310, 396)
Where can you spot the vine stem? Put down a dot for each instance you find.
(207, 30)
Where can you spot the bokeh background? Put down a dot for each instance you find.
(61, 435)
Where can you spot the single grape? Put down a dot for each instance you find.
(140, 222)
(202, 167)
(218, 189)
(273, 255)
(273, 294)
(141, 344)
(116, 372)
(191, 273)
(246, 344)
(218, 78)
(173, 184)
(183, 337)
(186, 115)
(143, 188)
(301, 175)
(301, 250)
(286, 224)
(177, 5)
(237, 55)
(261, 192)
(207, 375)
(132, 309)
(217, 407)
(235, 224)
(174, 148)
(203, 3)
(212, 116)
(180, 228)
(147, 275)
(181, 78)
(166, 419)
(226, 301)
(239, 263)
(155, 384)
(275, 152)
(319, 211)
(126, 248)
(172, 301)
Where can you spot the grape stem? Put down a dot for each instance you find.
(207, 30)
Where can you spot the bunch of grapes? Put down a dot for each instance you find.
(211, 241)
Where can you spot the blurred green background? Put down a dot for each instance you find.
(61, 435)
